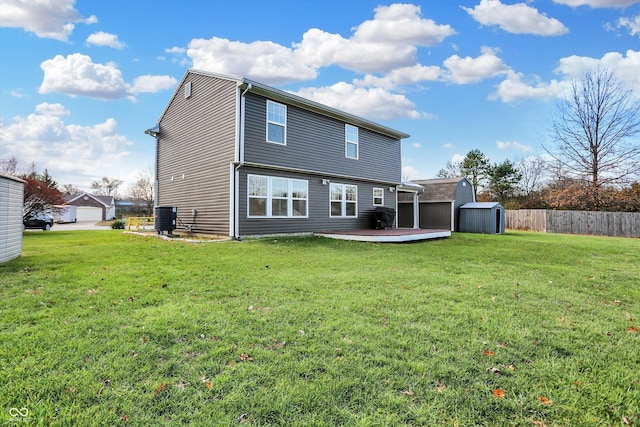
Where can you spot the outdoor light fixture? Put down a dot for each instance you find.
(392, 189)
(325, 181)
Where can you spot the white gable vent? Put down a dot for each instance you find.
(187, 90)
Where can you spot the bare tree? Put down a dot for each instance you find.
(452, 170)
(9, 166)
(106, 186)
(593, 132)
(70, 189)
(532, 170)
(141, 191)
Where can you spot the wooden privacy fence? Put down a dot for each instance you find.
(615, 224)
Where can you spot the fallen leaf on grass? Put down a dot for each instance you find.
(545, 401)
(160, 388)
(408, 392)
(488, 353)
(246, 358)
(125, 417)
(208, 384)
(626, 421)
(498, 393)
(509, 367)
(440, 386)
(632, 330)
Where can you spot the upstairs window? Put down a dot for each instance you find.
(351, 141)
(276, 123)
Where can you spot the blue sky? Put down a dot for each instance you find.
(81, 80)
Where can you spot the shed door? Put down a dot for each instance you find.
(89, 213)
(436, 215)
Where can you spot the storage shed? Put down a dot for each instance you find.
(11, 198)
(482, 217)
(439, 203)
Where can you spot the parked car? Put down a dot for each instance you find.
(39, 220)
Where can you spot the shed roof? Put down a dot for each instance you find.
(480, 205)
(440, 190)
(11, 177)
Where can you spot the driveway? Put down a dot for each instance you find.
(80, 225)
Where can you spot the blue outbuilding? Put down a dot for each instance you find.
(482, 217)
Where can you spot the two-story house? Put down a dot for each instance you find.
(239, 158)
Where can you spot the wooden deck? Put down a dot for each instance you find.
(391, 235)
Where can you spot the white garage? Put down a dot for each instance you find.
(88, 213)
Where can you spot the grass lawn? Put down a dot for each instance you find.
(106, 328)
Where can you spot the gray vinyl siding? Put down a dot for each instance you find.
(196, 147)
(11, 197)
(317, 143)
(318, 206)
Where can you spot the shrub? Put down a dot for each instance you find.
(118, 224)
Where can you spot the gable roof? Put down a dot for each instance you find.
(440, 190)
(106, 201)
(286, 98)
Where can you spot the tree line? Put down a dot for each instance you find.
(591, 162)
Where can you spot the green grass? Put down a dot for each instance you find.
(105, 328)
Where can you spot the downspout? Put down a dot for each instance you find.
(238, 164)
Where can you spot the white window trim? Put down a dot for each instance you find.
(374, 196)
(269, 198)
(343, 209)
(284, 125)
(347, 142)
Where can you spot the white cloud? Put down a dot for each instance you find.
(503, 145)
(447, 146)
(457, 158)
(598, 3)
(410, 173)
(472, 70)
(72, 153)
(632, 24)
(384, 43)
(513, 88)
(625, 67)
(570, 68)
(517, 18)
(101, 38)
(266, 61)
(375, 103)
(402, 76)
(54, 19)
(416, 145)
(78, 75)
(153, 83)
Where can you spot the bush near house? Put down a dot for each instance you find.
(107, 328)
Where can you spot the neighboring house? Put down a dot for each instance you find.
(92, 208)
(239, 158)
(11, 199)
(439, 203)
